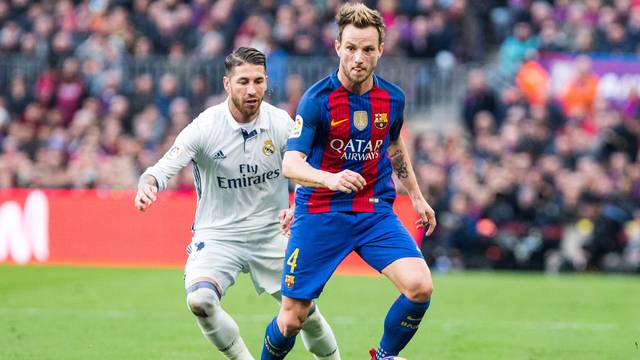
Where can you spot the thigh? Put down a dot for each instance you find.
(265, 264)
(216, 261)
(409, 275)
(318, 243)
(382, 239)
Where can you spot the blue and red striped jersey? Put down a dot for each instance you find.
(340, 130)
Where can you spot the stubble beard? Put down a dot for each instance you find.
(243, 110)
(354, 81)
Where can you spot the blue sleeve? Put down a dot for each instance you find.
(308, 117)
(396, 126)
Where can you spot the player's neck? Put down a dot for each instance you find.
(356, 88)
(239, 116)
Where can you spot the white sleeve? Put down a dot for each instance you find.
(184, 149)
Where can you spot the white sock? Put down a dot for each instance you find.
(318, 337)
(216, 325)
(237, 351)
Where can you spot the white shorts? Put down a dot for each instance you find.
(221, 261)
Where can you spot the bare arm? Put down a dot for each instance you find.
(296, 168)
(401, 163)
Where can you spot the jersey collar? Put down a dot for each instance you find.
(262, 122)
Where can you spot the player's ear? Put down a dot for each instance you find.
(337, 45)
(380, 49)
(227, 84)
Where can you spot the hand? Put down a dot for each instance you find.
(427, 216)
(286, 219)
(147, 194)
(346, 181)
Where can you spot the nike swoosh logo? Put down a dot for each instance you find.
(411, 318)
(338, 122)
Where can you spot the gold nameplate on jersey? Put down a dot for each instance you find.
(360, 119)
(380, 120)
(268, 147)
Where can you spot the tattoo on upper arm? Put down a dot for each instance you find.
(399, 165)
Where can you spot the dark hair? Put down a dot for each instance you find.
(360, 16)
(244, 55)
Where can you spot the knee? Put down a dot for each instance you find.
(290, 322)
(419, 291)
(202, 302)
(314, 322)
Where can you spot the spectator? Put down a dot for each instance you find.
(294, 90)
(579, 96)
(70, 90)
(18, 96)
(142, 93)
(479, 97)
(537, 184)
(614, 40)
(533, 81)
(198, 94)
(515, 48)
(167, 92)
(550, 39)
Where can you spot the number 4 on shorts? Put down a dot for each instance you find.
(293, 260)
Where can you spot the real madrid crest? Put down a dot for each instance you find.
(380, 120)
(360, 119)
(268, 148)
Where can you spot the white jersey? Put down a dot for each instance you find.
(238, 176)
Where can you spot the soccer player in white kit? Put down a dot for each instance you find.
(236, 149)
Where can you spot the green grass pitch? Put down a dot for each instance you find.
(103, 313)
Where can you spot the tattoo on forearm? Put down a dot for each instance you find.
(399, 165)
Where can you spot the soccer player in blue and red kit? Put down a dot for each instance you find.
(342, 150)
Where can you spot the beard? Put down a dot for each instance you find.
(246, 110)
(361, 77)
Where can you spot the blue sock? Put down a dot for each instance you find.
(276, 346)
(400, 325)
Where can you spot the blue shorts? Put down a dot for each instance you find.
(319, 243)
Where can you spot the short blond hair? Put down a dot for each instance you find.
(360, 16)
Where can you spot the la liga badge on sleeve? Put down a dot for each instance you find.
(296, 130)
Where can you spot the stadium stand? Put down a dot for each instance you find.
(95, 91)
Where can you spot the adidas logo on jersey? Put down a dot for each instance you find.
(219, 155)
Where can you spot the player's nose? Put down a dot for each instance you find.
(359, 57)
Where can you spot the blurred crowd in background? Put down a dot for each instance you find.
(528, 180)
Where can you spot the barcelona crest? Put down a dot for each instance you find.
(289, 280)
(380, 120)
